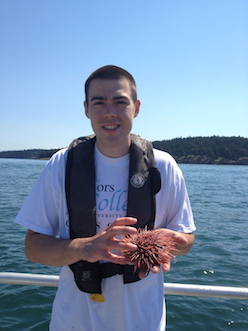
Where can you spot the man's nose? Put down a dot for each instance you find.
(110, 110)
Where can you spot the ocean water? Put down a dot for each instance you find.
(219, 198)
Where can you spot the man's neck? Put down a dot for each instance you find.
(113, 149)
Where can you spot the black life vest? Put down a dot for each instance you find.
(144, 183)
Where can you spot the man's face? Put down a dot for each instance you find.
(111, 110)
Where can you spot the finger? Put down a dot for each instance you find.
(113, 231)
(119, 259)
(166, 267)
(123, 221)
(143, 272)
(155, 269)
(118, 246)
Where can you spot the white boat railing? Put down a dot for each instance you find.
(169, 288)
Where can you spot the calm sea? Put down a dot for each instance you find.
(219, 197)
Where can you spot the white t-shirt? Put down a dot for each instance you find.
(137, 306)
(111, 188)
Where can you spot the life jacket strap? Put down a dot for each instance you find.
(88, 276)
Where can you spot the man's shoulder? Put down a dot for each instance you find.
(166, 163)
(58, 160)
(162, 156)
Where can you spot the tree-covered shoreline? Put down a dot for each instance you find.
(35, 154)
(206, 150)
(191, 150)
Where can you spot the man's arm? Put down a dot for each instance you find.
(184, 242)
(51, 251)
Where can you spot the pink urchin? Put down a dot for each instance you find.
(154, 248)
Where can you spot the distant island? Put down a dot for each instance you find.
(207, 150)
(191, 150)
(29, 154)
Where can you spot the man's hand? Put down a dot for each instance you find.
(59, 252)
(183, 242)
(102, 245)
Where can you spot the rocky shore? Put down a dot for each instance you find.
(199, 159)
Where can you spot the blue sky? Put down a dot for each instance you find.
(189, 59)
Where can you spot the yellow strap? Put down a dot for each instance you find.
(97, 297)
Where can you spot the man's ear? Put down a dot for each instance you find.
(86, 109)
(137, 107)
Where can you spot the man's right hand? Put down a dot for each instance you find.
(59, 252)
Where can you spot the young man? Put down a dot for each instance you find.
(86, 200)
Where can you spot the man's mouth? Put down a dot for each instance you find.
(111, 126)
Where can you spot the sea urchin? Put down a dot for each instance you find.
(154, 248)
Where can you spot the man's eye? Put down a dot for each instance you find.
(121, 102)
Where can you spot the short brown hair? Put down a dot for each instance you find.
(111, 72)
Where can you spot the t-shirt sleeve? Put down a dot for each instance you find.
(180, 216)
(173, 204)
(40, 212)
